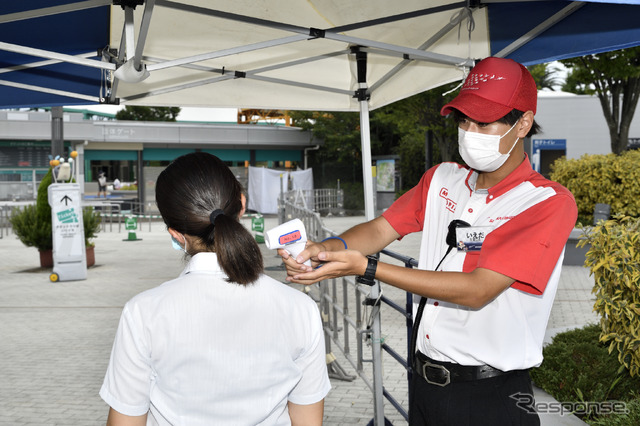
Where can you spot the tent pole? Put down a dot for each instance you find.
(374, 296)
(365, 141)
(57, 131)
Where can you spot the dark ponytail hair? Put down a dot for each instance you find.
(188, 191)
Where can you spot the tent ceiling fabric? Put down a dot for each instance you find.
(297, 72)
(281, 54)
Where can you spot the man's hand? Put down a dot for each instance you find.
(333, 264)
(365, 238)
(296, 265)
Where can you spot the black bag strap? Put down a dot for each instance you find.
(451, 242)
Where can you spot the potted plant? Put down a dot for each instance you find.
(32, 226)
(33, 232)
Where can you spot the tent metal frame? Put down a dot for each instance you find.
(129, 50)
(300, 33)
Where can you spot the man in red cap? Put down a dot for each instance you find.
(493, 237)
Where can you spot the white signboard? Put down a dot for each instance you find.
(69, 257)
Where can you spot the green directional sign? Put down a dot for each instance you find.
(67, 216)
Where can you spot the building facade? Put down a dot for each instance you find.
(133, 151)
(572, 126)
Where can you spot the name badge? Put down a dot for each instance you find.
(472, 237)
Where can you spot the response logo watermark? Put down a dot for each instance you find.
(526, 402)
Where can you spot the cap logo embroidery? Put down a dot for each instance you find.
(476, 79)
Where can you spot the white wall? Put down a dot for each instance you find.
(578, 119)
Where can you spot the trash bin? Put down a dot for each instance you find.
(257, 225)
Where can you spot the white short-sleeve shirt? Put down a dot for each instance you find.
(199, 350)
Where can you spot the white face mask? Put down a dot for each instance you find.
(482, 152)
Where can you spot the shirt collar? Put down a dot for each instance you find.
(206, 262)
(513, 179)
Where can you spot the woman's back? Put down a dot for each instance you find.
(223, 343)
(219, 350)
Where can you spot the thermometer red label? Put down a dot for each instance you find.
(289, 238)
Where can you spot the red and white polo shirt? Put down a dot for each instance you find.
(530, 219)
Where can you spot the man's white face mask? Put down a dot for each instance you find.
(481, 152)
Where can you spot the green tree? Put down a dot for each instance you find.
(400, 129)
(340, 156)
(419, 115)
(614, 77)
(143, 113)
(545, 76)
(340, 132)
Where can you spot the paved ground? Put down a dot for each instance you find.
(56, 338)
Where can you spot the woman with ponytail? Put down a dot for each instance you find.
(221, 344)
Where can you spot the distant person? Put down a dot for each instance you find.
(102, 184)
(116, 183)
(222, 344)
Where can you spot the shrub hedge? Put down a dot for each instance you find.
(611, 179)
(577, 367)
(614, 260)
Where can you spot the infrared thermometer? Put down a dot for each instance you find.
(290, 236)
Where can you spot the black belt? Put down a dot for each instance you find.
(442, 373)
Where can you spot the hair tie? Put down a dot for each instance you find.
(214, 214)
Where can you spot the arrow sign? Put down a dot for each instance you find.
(66, 200)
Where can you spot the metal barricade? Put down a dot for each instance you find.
(338, 298)
(111, 213)
(327, 201)
(4, 221)
(109, 210)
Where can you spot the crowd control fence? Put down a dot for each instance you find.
(113, 214)
(116, 213)
(351, 317)
(327, 201)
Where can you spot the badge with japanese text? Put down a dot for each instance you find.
(472, 237)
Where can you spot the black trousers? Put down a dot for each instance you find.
(490, 402)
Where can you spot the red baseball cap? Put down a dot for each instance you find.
(493, 88)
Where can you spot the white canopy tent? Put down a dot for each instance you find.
(283, 54)
(275, 56)
(265, 60)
